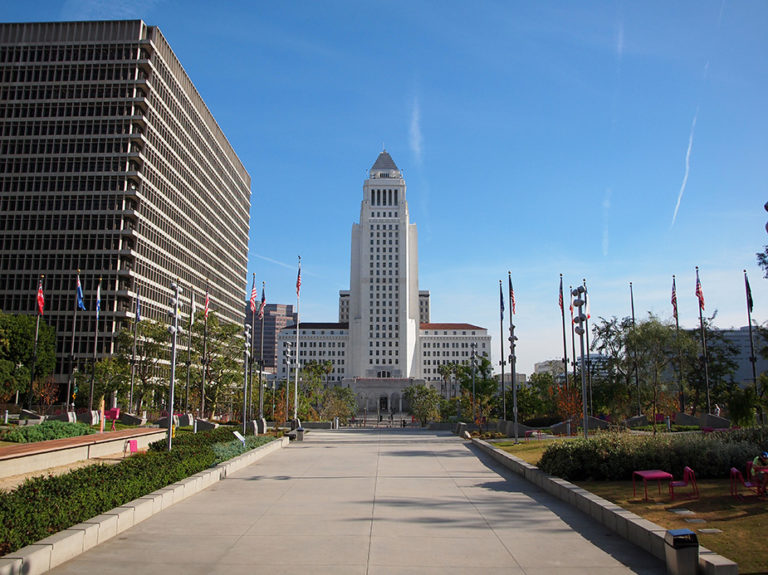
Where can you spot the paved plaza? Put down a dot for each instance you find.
(369, 502)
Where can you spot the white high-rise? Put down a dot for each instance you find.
(384, 340)
(384, 279)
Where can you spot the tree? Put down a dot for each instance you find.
(424, 402)
(17, 338)
(224, 366)
(338, 402)
(485, 386)
(152, 355)
(613, 388)
(762, 261)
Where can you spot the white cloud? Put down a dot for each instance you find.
(415, 137)
(687, 167)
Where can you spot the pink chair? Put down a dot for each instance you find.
(737, 481)
(131, 446)
(689, 478)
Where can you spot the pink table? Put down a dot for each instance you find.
(647, 474)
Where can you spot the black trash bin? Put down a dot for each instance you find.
(682, 552)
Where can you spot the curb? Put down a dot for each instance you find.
(44, 555)
(643, 533)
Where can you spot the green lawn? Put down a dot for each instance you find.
(744, 522)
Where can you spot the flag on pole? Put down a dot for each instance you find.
(699, 291)
(560, 299)
(512, 295)
(40, 297)
(207, 304)
(750, 303)
(298, 280)
(193, 310)
(98, 300)
(571, 306)
(138, 308)
(674, 298)
(80, 300)
(501, 301)
(263, 302)
(254, 295)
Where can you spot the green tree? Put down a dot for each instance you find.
(338, 402)
(17, 342)
(424, 402)
(224, 364)
(151, 366)
(485, 386)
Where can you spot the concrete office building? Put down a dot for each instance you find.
(111, 163)
(384, 341)
(276, 317)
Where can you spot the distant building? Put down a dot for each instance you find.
(276, 317)
(384, 340)
(111, 163)
(740, 339)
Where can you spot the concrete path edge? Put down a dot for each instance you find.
(643, 533)
(44, 555)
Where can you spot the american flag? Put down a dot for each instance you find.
(560, 299)
(254, 295)
(40, 297)
(699, 291)
(674, 298)
(263, 302)
(298, 280)
(511, 294)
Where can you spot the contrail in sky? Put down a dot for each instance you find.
(415, 131)
(265, 258)
(687, 167)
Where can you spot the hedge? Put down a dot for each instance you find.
(47, 430)
(614, 456)
(45, 505)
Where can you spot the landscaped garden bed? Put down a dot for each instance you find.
(48, 504)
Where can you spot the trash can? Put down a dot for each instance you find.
(300, 437)
(682, 552)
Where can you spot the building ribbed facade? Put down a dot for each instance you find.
(111, 163)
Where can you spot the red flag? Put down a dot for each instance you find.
(207, 304)
(254, 295)
(560, 299)
(699, 291)
(674, 298)
(263, 303)
(512, 295)
(40, 298)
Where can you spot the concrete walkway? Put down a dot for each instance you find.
(369, 502)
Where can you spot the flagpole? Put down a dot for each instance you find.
(634, 351)
(512, 354)
(205, 352)
(136, 319)
(189, 346)
(296, 372)
(700, 296)
(72, 346)
(501, 361)
(253, 351)
(573, 336)
(40, 298)
(589, 360)
(752, 358)
(261, 352)
(95, 344)
(677, 341)
(565, 345)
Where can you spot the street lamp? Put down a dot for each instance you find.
(580, 294)
(474, 405)
(173, 329)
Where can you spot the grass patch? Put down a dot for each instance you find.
(742, 521)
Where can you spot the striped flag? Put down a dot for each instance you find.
(699, 291)
(674, 298)
(298, 280)
(80, 300)
(207, 304)
(560, 299)
(40, 297)
(263, 302)
(254, 295)
(511, 295)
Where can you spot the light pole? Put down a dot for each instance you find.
(173, 329)
(474, 405)
(579, 293)
(246, 355)
(287, 352)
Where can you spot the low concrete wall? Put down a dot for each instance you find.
(29, 463)
(44, 555)
(641, 532)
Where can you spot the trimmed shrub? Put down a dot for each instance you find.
(614, 456)
(47, 430)
(46, 505)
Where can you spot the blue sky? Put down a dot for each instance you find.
(612, 141)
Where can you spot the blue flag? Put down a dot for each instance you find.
(138, 309)
(80, 301)
(98, 301)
